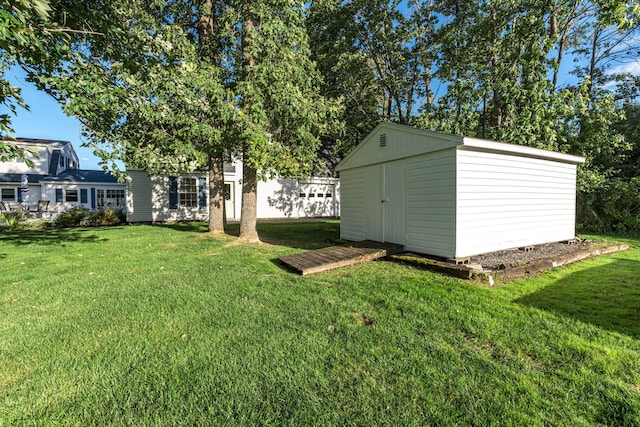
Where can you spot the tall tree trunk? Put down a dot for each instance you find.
(215, 162)
(248, 215)
(216, 194)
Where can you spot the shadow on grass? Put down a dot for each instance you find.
(189, 227)
(607, 296)
(54, 237)
(293, 234)
(300, 235)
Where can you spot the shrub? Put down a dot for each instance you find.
(613, 207)
(11, 220)
(104, 217)
(71, 218)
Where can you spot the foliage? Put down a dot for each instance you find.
(206, 332)
(83, 217)
(72, 217)
(21, 29)
(11, 220)
(611, 207)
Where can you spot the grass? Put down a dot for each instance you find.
(164, 325)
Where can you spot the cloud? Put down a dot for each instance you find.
(632, 68)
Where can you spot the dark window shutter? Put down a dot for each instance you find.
(173, 192)
(58, 195)
(19, 195)
(84, 195)
(202, 193)
(93, 198)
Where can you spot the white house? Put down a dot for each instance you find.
(55, 177)
(185, 197)
(454, 196)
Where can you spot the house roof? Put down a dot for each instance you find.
(41, 141)
(77, 176)
(82, 176)
(422, 141)
(16, 178)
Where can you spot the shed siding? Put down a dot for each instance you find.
(506, 201)
(431, 203)
(353, 187)
(401, 142)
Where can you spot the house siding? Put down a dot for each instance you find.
(431, 203)
(507, 201)
(294, 198)
(140, 207)
(149, 198)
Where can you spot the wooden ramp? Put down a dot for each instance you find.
(339, 256)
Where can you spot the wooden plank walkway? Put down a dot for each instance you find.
(339, 256)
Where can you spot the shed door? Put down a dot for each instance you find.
(385, 202)
(394, 201)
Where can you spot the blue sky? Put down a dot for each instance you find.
(46, 120)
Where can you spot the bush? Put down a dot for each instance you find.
(104, 217)
(82, 217)
(71, 218)
(11, 220)
(613, 207)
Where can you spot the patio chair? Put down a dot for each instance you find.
(3, 207)
(40, 208)
(14, 206)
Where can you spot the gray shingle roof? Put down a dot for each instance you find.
(82, 176)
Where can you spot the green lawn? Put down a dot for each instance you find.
(164, 325)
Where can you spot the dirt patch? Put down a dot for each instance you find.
(501, 260)
(512, 263)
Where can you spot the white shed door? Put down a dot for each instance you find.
(394, 202)
(385, 202)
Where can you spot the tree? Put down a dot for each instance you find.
(147, 85)
(23, 29)
(281, 114)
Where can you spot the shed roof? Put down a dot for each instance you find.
(424, 141)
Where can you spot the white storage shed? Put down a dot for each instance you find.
(453, 196)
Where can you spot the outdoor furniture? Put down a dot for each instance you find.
(43, 205)
(3, 207)
(14, 206)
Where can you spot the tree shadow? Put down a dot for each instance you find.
(54, 237)
(607, 296)
(189, 227)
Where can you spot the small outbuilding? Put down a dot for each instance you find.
(454, 196)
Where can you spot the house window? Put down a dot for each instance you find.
(109, 198)
(71, 196)
(9, 194)
(115, 197)
(227, 191)
(61, 161)
(188, 192)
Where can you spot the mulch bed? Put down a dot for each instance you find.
(512, 263)
(501, 260)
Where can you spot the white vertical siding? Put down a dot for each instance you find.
(373, 209)
(139, 195)
(353, 188)
(395, 201)
(431, 203)
(507, 201)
